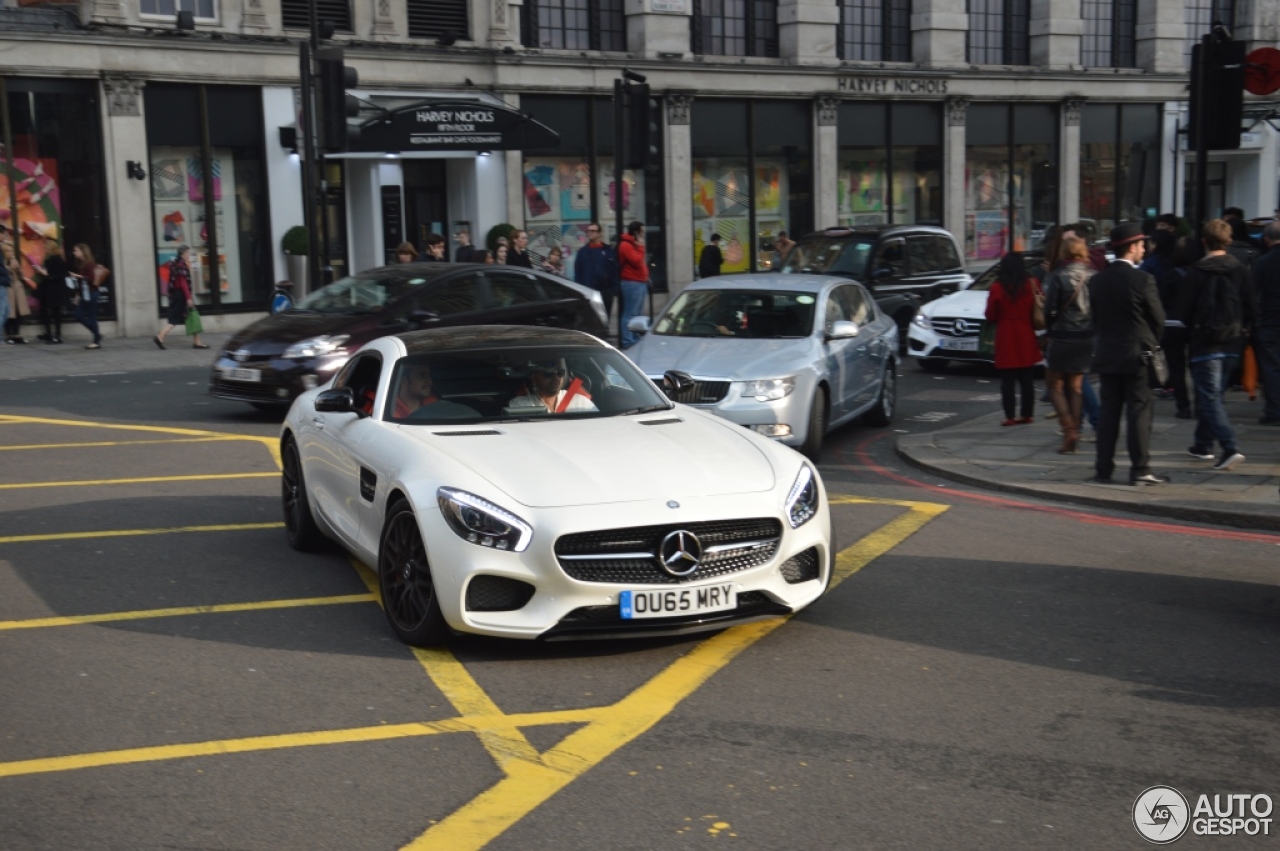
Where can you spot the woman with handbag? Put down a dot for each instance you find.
(1071, 333)
(1011, 304)
(86, 300)
(53, 288)
(180, 301)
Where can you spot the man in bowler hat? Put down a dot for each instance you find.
(1130, 321)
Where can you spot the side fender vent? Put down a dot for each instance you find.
(667, 421)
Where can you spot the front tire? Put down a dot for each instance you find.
(812, 448)
(404, 578)
(299, 526)
(887, 403)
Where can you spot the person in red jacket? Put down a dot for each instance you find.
(179, 298)
(1009, 306)
(634, 272)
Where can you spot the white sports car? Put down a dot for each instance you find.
(533, 483)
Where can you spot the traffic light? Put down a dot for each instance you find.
(336, 106)
(1220, 93)
(643, 130)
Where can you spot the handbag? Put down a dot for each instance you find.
(71, 283)
(1158, 366)
(194, 325)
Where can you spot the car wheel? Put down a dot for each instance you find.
(404, 578)
(299, 526)
(932, 364)
(882, 413)
(812, 447)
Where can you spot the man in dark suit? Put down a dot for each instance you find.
(1129, 318)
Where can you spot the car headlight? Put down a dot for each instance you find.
(770, 389)
(802, 501)
(315, 347)
(921, 321)
(480, 522)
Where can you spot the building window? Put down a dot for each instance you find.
(1119, 163)
(297, 17)
(574, 25)
(435, 18)
(735, 27)
(875, 30)
(999, 32)
(1203, 14)
(1110, 32)
(1011, 177)
(890, 164)
(206, 10)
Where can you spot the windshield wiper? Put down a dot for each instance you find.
(646, 409)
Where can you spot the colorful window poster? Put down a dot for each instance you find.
(860, 187)
(177, 196)
(990, 234)
(557, 204)
(721, 205)
(34, 185)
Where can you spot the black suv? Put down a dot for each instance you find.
(903, 265)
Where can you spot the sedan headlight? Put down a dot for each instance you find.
(480, 522)
(921, 321)
(315, 347)
(770, 389)
(802, 501)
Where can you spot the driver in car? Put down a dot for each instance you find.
(546, 388)
(415, 392)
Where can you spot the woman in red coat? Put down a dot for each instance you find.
(1009, 306)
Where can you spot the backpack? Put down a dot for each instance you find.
(1219, 316)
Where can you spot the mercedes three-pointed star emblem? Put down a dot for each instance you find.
(680, 553)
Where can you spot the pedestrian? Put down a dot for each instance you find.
(1171, 284)
(712, 258)
(1159, 257)
(596, 266)
(1266, 331)
(500, 256)
(53, 287)
(1070, 332)
(518, 255)
(89, 276)
(1130, 321)
(465, 252)
(554, 264)
(16, 305)
(480, 255)
(6, 284)
(180, 300)
(633, 269)
(1221, 310)
(435, 249)
(406, 253)
(781, 248)
(1097, 256)
(1010, 303)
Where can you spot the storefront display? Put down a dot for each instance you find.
(1011, 177)
(890, 164)
(558, 195)
(1119, 163)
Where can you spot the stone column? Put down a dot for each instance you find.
(679, 191)
(807, 31)
(133, 274)
(1056, 28)
(938, 30)
(953, 172)
(515, 175)
(1069, 160)
(658, 29)
(826, 161)
(502, 24)
(1162, 33)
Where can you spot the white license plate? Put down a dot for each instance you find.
(232, 373)
(675, 602)
(962, 345)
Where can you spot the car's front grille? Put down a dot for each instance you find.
(253, 357)
(631, 555)
(247, 391)
(702, 392)
(950, 326)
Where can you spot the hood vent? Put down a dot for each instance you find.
(667, 421)
(480, 433)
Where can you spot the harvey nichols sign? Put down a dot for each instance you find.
(892, 85)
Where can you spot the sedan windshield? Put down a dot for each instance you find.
(767, 314)
(361, 294)
(830, 256)
(518, 385)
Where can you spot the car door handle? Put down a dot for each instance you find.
(318, 422)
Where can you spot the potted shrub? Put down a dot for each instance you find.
(296, 245)
(491, 238)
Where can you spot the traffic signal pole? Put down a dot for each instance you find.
(1200, 128)
(306, 131)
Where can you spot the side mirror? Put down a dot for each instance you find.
(339, 401)
(639, 324)
(842, 329)
(419, 318)
(675, 382)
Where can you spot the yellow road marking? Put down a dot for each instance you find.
(125, 533)
(140, 480)
(99, 443)
(147, 614)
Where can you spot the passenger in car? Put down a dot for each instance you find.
(546, 388)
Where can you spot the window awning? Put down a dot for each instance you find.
(453, 125)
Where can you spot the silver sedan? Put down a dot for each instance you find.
(788, 357)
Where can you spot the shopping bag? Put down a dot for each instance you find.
(1249, 373)
(194, 325)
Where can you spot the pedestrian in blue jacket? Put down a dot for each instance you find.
(596, 266)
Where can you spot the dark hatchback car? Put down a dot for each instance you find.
(275, 359)
(902, 265)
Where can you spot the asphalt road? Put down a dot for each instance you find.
(1001, 674)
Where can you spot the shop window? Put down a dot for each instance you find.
(1119, 163)
(890, 164)
(574, 25)
(999, 32)
(1011, 177)
(1110, 32)
(205, 10)
(1201, 16)
(735, 27)
(435, 18)
(875, 30)
(297, 16)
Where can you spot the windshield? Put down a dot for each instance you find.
(767, 314)
(363, 294)
(830, 256)
(518, 385)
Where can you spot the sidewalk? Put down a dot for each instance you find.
(1023, 460)
(38, 359)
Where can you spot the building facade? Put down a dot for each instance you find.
(992, 118)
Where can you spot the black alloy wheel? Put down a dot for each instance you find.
(882, 413)
(404, 578)
(299, 526)
(812, 448)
